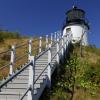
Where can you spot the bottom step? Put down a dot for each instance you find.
(11, 96)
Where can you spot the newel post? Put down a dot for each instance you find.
(31, 77)
(12, 60)
(49, 67)
(46, 41)
(40, 44)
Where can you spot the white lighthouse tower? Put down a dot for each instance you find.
(76, 25)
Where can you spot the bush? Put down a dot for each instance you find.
(1, 37)
(6, 35)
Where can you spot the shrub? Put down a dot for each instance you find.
(1, 37)
(6, 35)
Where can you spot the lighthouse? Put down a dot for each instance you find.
(76, 26)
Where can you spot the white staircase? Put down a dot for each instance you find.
(17, 88)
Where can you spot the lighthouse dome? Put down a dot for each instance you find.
(75, 16)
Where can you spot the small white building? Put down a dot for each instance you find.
(76, 26)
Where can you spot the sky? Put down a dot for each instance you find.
(40, 17)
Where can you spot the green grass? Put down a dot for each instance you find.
(79, 77)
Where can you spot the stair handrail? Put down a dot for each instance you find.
(21, 45)
(5, 52)
(13, 57)
(5, 66)
(56, 54)
(30, 63)
(47, 63)
(14, 75)
(19, 58)
(28, 89)
(47, 66)
(35, 58)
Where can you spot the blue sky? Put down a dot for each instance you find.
(37, 17)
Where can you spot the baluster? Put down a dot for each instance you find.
(31, 77)
(58, 59)
(49, 66)
(12, 60)
(55, 37)
(62, 49)
(51, 38)
(40, 45)
(30, 48)
(46, 41)
(60, 35)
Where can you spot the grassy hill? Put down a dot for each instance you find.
(79, 77)
(12, 38)
(7, 39)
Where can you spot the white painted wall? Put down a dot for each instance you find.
(77, 31)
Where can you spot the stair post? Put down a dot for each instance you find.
(60, 35)
(51, 38)
(58, 59)
(40, 44)
(49, 67)
(31, 77)
(12, 60)
(62, 50)
(30, 48)
(55, 36)
(46, 41)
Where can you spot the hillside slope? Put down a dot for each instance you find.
(79, 77)
(21, 51)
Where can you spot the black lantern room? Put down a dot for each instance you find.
(75, 16)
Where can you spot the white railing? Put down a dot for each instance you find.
(59, 42)
(55, 40)
(18, 52)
